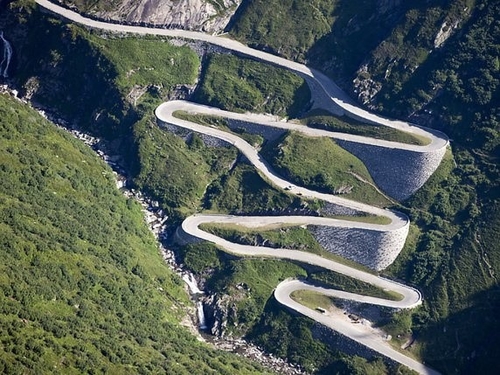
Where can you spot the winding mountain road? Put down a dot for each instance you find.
(336, 101)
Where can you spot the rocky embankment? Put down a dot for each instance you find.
(199, 15)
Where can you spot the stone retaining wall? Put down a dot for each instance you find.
(373, 249)
(332, 209)
(182, 238)
(398, 173)
(337, 341)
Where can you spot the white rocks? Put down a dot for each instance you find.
(199, 15)
(444, 33)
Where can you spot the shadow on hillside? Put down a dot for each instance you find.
(466, 341)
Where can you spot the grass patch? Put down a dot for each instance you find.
(287, 237)
(222, 124)
(290, 29)
(94, 79)
(322, 119)
(147, 61)
(371, 219)
(239, 85)
(320, 164)
(348, 284)
(243, 190)
(313, 300)
(175, 172)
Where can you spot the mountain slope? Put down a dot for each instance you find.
(402, 64)
(83, 286)
(435, 63)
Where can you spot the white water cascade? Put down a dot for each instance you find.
(195, 293)
(202, 323)
(7, 56)
(191, 283)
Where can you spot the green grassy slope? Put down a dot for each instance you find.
(243, 190)
(238, 84)
(456, 260)
(175, 172)
(82, 284)
(289, 30)
(321, 164)
(99, 82)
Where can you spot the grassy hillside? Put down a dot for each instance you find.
(289, 30)
(456, 260)
(83, 287)
(319, 163)
(238, 84)
(175, 172)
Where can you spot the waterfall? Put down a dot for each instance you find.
(202, 323)
(192, 284)
(7, 56)
(195, 293)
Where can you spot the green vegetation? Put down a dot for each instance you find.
(313, 300)
(83, 287)
(334, 36)
(249, 283)
(289, 30)
(324, 120)
(452, 253)
(222, 124)
(243, 190)
(278, 236)
(453, 250)
(286, 237)
(400, 57)
(348, 284)
(240, 85)
(455, 258)
(99, 81)
(146, 63)
(320, 164)
(296, 338)
(175, 172)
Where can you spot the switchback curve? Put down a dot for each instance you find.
(337, 101)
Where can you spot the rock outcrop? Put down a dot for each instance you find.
(201, 15)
